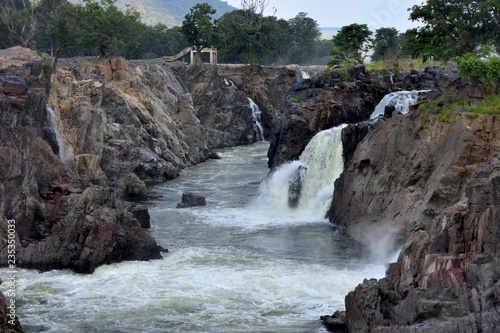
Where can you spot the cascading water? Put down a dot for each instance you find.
(229, 82)
(319, 165)
(232, 267)
(55, 129)
(248, 261)
(305, 75)
(401, 100)
(257, 125)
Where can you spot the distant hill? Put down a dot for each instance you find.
(169, 12)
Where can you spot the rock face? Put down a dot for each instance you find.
(62, 220)
(221, 93)
(433, 186)
(191, 200)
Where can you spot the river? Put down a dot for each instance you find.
(245, 262)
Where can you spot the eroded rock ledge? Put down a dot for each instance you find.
(434, 186)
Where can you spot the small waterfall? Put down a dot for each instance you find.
(229, 83)
(257, 125)
(401, 100)
(305, 75)
(55, 129)
(319, 165)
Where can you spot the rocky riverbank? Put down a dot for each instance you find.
(429, 183)
(138, 122)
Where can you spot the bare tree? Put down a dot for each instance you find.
(20, 21)
(254, 8)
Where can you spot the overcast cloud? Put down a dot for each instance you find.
(338, 13)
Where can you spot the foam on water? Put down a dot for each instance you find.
(215, 289)
(243, 263)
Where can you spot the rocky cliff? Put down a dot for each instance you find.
(137, 122)
(429, 181)
(62, 220)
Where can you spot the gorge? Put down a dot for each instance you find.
(247, 261)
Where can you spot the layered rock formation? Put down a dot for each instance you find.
(321, 103)
(221, 93)
(430, 182)
(62, 220)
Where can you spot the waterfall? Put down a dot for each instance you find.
(257, 125)
(305, 75)
(55, 129)
(319, 165)
(401, 100)
(229, 83)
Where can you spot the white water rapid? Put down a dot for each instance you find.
(401, 100)
(55, 128)
(243, 263)
(322, 163)
(258, 129)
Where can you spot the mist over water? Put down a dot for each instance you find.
(245, 262)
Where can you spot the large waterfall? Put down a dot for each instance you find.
(257, 125)
(55, 129)
(251, 260)
(319, 165)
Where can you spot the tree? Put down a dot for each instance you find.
(305, 34)
(456, 27)
(254, 9)
(18, 16)
(104, 27)
(386, 44)
(200, 29)
(58, 22)
(155, 42)
(351, 44)
(260, 40)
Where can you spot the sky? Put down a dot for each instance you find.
(338, 13)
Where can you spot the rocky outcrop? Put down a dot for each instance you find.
(431, 184)
(220, 95)
(62, 220)
(191, 200)
(133, 121)
(321, 103)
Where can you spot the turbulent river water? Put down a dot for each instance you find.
(245, 262)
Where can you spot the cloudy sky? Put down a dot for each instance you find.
(338, 13)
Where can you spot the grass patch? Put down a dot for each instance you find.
(490, 105)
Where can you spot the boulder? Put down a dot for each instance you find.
(191, 200)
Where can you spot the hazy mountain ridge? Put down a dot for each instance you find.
(169, 12)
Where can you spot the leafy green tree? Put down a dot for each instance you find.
(200, 29)
(5, 40)
(18, 17)
(305, 37)
(351, 44)
(456, 27)
(156, 41)
(104, 27)
(58, 22)
(253, 38)
(386, 44)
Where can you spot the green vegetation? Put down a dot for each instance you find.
(296, 100)
(351, 45)
(485, 71)
(200, 30)
(27, 121)
(454, 28)
(386, 44)
(490, 105)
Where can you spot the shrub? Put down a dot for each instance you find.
(27, 121)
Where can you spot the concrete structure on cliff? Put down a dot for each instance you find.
(182, 55)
